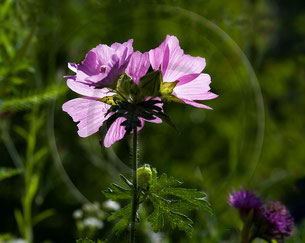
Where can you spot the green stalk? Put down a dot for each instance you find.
(135, 200)
(246, 231)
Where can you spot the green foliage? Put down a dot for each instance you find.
(170, 202)
(124, 216)
(166, 90)
(116, 192)
(7, 173)
(5, 237)
(86, 240)
(150, 84)
(127, 89)
(27, 102)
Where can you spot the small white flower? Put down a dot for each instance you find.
(77, 214)
(93, 222)
(111, 205)
(17, 241)
(156, 237)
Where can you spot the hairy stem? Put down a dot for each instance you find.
(135, 200)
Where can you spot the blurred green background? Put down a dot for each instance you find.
(253, 139)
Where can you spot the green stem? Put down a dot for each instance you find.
(245, 238)
(135, 200)
(246, 231)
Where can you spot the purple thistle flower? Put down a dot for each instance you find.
(244, 200)
(279, 222)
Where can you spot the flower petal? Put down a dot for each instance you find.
(89, 112)
(120, 48)
(103, 64)
(72, 66)
(90, 64)
(174, 63)
(138, 66)
(196, 89)
(86, 90)
(195, 104)
(156, 55)
(115, 132)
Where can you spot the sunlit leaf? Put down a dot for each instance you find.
(7, 173)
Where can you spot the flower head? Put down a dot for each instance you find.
(244, 200)
(270, 221)
(94, 109)
(118, 89)
(278, 220)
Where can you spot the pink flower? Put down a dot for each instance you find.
(103, 64)
(176, 66)
(91, 112)
(137, 94)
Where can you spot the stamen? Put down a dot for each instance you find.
(103, 68)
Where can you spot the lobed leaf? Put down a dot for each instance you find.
(116, 192)
(163, 209)
(124, 215)
(163, 181)
(195, 198)
(169, 200)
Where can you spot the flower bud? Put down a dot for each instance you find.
(144, 176)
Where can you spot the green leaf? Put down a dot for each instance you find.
(195, 198)
(40, 154)
(20, 221)
(86, 240)
(124, 215)
(127, 88)
(126, 181)
(8, 172)
(163, 181)
(170, 200)
(27, 102)
(116, 192)
(162, 210)
(5, 7)
(167, 88)
(156, 218)
(150, 84)
(43, 215)
(7, 45)
(31, 190)
(26, 44)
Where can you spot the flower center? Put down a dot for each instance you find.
(103, 68)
